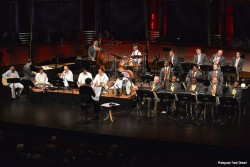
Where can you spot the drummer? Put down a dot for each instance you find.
(136, 52)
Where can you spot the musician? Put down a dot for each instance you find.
(235, 91)
(67, 75)
(156, 87)
(218, 58)
(166, 73)
(193, 73)
(174, 59)
(27, 73)
(41, 77)
(83, 76)
(200, 58)
(238, 62)
(101, 79)
(17, 88)
(216, 73)
(136, 52)
(93, 49)
(173, 86)
(119, 81)
(86, 89)
(194, 86)
(215, 88)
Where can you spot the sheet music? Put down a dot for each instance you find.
(98, 91)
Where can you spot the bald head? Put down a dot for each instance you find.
(66, 68)
(156, 80)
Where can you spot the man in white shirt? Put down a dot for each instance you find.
(12, 73)
(101, 79)
(136, 52)
(67, 75)
(41, 77)
(200, 58)
(83, 76)
(119, 81)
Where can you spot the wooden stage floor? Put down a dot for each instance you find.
(46, 119)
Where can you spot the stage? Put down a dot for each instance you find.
(208, 141)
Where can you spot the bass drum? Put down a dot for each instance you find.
(126, 87)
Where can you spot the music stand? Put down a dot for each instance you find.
(167, 96)
(147, 78)
(57, 83)
(205, 82)
(206, 98)
(186, 66)
(13, 81)
(141, 93)
(72, 85)
(187, 97)
(229, 101)
(206, 67)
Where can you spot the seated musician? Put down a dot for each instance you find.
(200, 58)
(83, 76)
(41, 78)
(215, 88)
(101, 79)
(194, 86)
(193, 73)
(119, 81)
(93, 49)
(156, 87)
(173, 86)
(136, 52)
(12, 73)
(235, 91)
(67, 75)
(86, 89)
(218, 58)
(216, 73)
(166, 73)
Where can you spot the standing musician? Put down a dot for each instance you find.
(67, 75)
(216, 73)
(238, 62)
(136, 52)
(166, 73)
(235, 91)
(200, 58)
(101, 79)
(27, 73)
(93, 49)
(88, 90)
(156, 87)
(215, 88)
(83, 76)
(174, 59)
(193, 73)
(41, 77)
(12, 73)
(218, 58)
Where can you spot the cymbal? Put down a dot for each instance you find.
(136, 56)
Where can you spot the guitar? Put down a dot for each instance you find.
(5, 82)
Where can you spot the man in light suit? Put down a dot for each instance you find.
(174, 59)
(193, 73)
(216, 73)
(218, 58)
(235, 91)
(166, 73)
(200, 58)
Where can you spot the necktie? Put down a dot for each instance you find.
(236, 63)
(215, 75)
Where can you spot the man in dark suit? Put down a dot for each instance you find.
(215, 88)
(173, 86)
(218, 58)
(166, 73)
(174, 59)
(200, 58)
(88, 90)
(238, 62)
(216, 73)
(194, 86)
(193, 73)
(235, 91)
(156, 87)
(93, 49)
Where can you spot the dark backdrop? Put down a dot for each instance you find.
(241, 20)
